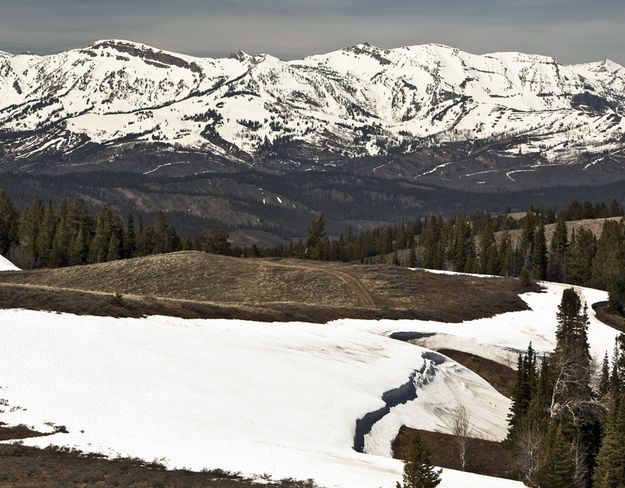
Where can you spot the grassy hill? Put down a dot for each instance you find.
(593, 225)
(195, 284)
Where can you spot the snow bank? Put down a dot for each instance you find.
(502, 337)
(251, 397)
(6, 265)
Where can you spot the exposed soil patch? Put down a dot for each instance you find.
(482, 457)
(499, 376)
(614, 320)
(201, 285)
(18, 432)
(27, 467)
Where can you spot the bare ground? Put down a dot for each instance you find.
(28, 467)
(499, 376)
(201, 285)
(614, 320)
(482, 457)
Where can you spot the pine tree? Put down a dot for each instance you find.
(114, 248)
(506, 264)
(557, 465)
(559, 243)
(610, 470)
(604, 380)
(130, 241)
(579, 257)
(539, 252)
(316, 231)
(412, 258)
(45, 235)
(162, 233)
(526, 282)
(524, 391)
(9, 221)
(79, 249)
(104, 229)
(418, 469)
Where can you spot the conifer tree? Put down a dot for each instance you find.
(130, 240)
(9, 221)
(79, 248)
(114, 248)
(418, 469)
(45, 235)
(412, 258)
(610, 470)
(559, 243)
(316, 231)
(523, 392)
(557, 465)
(525, 278)
(604, 380)
(539, 252)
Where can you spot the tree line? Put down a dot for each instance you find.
(482, 243)
(567, 422)
(42, 235)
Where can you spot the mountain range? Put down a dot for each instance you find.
(427, 114)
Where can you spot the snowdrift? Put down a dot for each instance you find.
(6, 265)
(502, 337)
(258, 398)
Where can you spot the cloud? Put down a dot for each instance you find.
(570, 30)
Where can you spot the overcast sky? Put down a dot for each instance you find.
(570, 30)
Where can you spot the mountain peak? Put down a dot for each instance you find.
(611, 65)
(361, 100)
(103, 43)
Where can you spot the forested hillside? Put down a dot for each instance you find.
(41, 235)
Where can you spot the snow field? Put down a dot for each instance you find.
(251, 397)
(6, 265)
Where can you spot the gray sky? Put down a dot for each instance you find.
(570, 30)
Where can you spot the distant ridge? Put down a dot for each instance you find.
(512, 109)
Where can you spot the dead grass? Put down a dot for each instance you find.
(27, 467)
(499, 376)
(201, 285)
(593, 225)
(614, 320)
(482, 457)
(17, 432)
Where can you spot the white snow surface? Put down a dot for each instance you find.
(6, 265)
(116, 90)
(261, 398)
(502, 337)
(253, 397)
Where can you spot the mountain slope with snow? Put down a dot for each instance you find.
(357, 102)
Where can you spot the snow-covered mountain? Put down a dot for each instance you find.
(360, 101)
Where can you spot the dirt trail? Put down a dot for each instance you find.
(354, 284)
